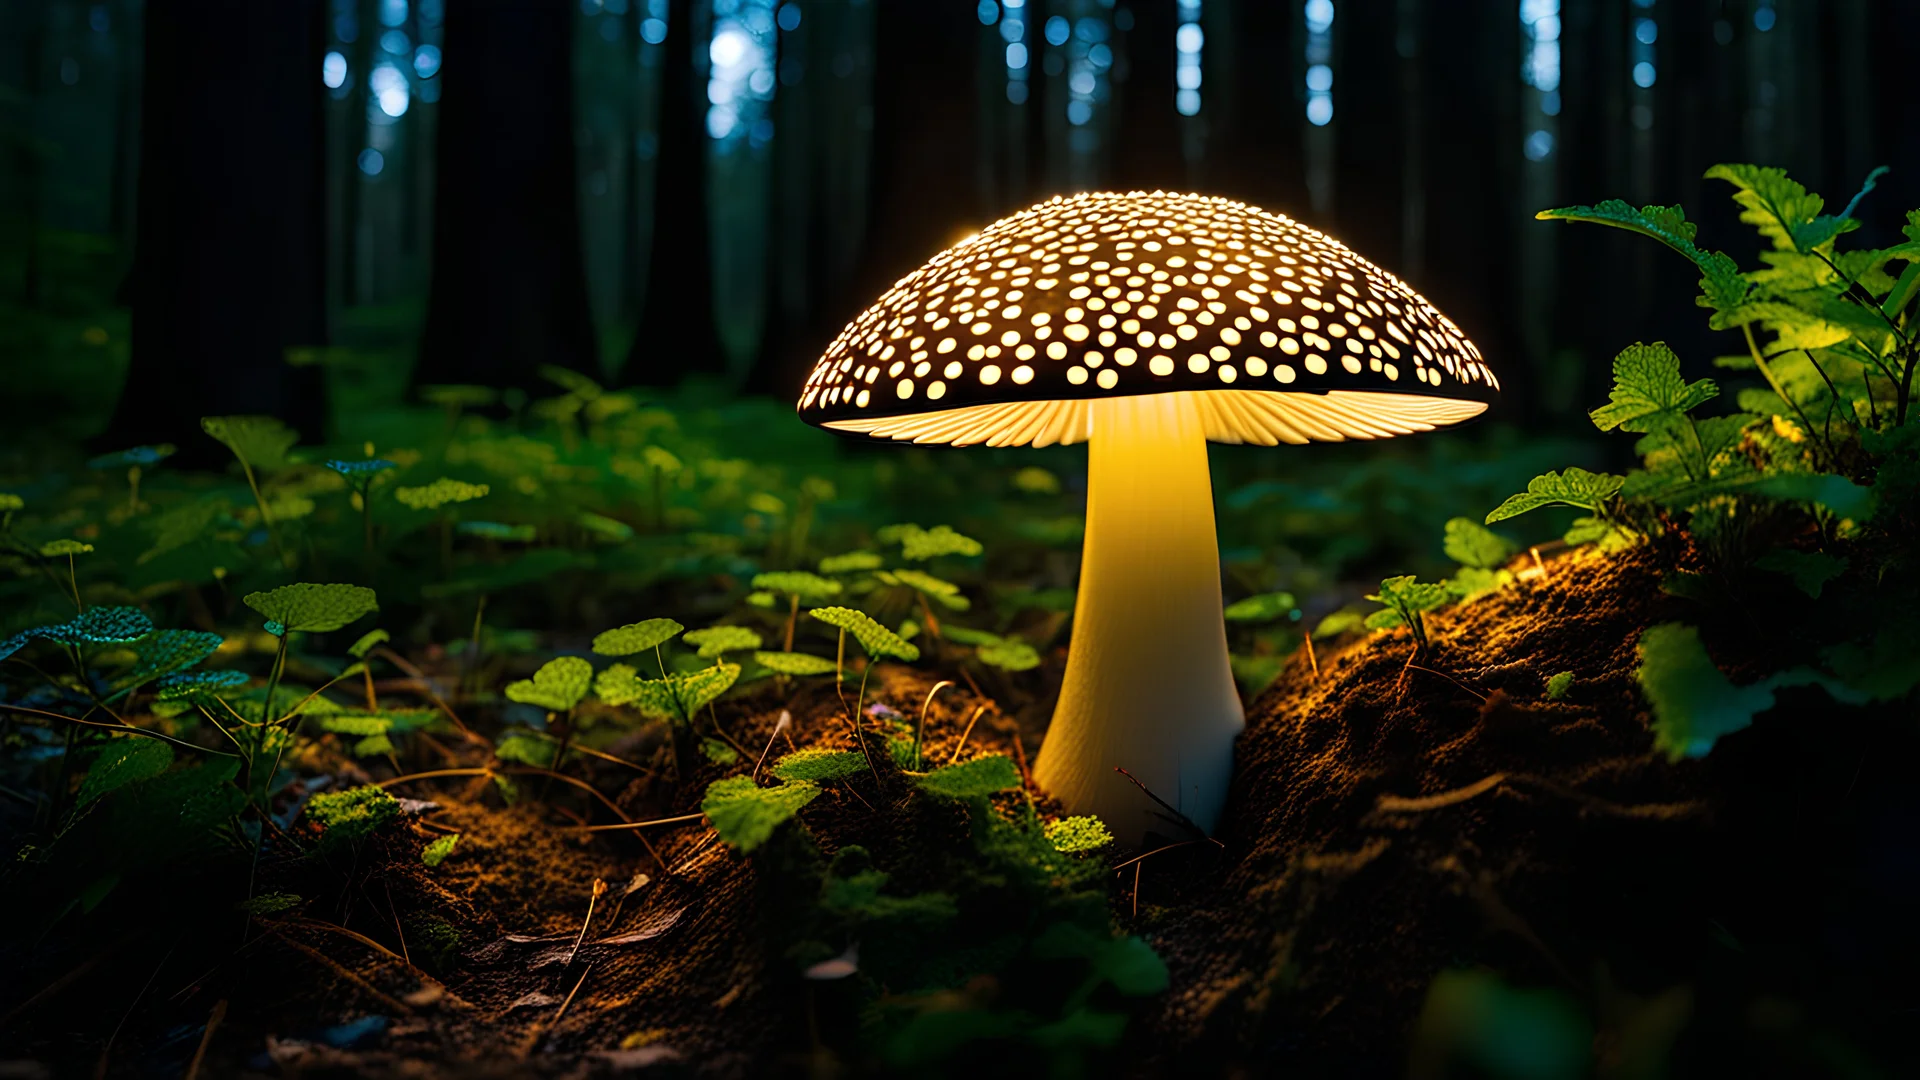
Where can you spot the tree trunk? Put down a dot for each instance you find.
(509, 289)
(229, 257)
(676, 335)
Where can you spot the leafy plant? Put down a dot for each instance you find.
(819, 765)
(438, 849)
(973, 779)
(1406, 601)
(745, 814)
(558, 686)
(1074, 835)
(1694, 704)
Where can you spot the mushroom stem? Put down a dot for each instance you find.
(1148, 686)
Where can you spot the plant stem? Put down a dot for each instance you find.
(73, 579)
(793, 616)
(1773, 381)
(266, 518)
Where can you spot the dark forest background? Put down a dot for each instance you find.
(256, 207)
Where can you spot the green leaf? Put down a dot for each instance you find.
(1472, 582)
(944, 593)
(458, 395)
(971, 779)
(819, 765)
(876, 639)
(810, 588)
(1264, 607)
(1648, 390)
(717, 641)
(1010, 654)
(54, 549)
(557, 687)
(373, 746)
(921, 544)
(10, 502)
(605, 527)
(97, 626)
(352, 814)
(1576, 487)
(1721, 285)
(718, 752)
(128, 758)
(793, 663)
(1770, 201)
(965, 635)
(361, 724)
(621, 685)
(1694, 704)
(1128, 963)
(199, 685)
(441, 492)
(851, 562)
(1338, 623)
(1470, 543)
(167, 652)
(437, 851)
(271, 903)
(359, 649)
(314, 608)
(1077, 834)
(1558, 685)
(696, 688)
(1810, 571)
(636, 637)
(745, 814)
(1408, 594)
(259, 441)
(525, 749)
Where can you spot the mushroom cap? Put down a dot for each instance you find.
(1007, 337)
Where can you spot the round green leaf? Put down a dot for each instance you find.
(314, 608)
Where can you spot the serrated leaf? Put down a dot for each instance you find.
(978, 778)
(819, 765)
(1077, 834)
(259, 441)
(621, 684)
(745, 814)
(793, 663)
(876, 639)
(1473, 582)
(359, 649)
(314, 608)
(437, 851)
(716, 641)
(1009, 654)
(58, 549)
(1384, 619)
(1770, 201)
(1407, 593)
(1647, 389)
(1265, 607)
(1721, 285)
(696, 688)
(126, 759)
(1472, 544)
(810, 588)
(557, 687)
(1575, 487)
(636, 637)
(442, 492)
(942, 592)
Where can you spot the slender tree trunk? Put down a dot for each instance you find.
(229, 259)
(509, 287)
(676, 335)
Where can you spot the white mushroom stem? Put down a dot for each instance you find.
(1148, 687)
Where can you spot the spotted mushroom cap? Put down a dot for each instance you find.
(1007, 337)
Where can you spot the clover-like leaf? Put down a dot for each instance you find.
(1009, 654)
(810, 588)
(1470, 543)
(793, 663)
(944, 593)
(54, 549)
(636, 637)
(314, 608)
(1077, 834)
(557, 687)
(1648, 390)
(819, 765)
(1576, 487)
(971, 779)
(745, 814)
(442, 492)
(717, 641)
(258, 441)
(1264, 607)
(876, 639)
(849, 563)
(920, 544)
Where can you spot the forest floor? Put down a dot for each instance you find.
(1393, 817)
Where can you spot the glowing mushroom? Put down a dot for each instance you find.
(1146, 325)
